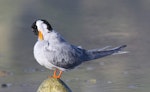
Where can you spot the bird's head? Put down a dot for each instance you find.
(41, 27)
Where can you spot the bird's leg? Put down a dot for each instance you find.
(60, 73)
(55, 74)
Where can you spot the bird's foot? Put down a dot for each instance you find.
(55, 74)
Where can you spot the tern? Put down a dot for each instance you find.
(53, 52)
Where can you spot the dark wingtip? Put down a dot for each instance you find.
(123, 46)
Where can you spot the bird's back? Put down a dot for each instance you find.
(65, 55)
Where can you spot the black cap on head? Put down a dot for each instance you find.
(34, 26)
(49, 27)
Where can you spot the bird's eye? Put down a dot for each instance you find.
(34, 26)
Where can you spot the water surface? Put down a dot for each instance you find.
(89, 23)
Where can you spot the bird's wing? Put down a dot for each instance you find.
(67, 56)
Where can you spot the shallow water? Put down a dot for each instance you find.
(89, 23)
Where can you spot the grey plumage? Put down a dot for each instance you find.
(54, 52)
(75, 56)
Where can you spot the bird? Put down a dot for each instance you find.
(55, 53)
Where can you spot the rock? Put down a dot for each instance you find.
(53, 85)
(5, 85)
(3, 73)
(92, 81)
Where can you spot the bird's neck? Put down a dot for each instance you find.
(53, 37)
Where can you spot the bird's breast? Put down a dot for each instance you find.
(39, 52)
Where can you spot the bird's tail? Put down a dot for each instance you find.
(98, 53)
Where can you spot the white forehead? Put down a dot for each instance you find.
(40, 24)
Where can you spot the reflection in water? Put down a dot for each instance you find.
(91, 24)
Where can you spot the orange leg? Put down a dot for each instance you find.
(55, 74)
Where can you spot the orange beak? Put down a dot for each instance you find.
(40, 35)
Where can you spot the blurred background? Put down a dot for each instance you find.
(89, 23)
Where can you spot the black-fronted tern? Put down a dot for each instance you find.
(55, 53)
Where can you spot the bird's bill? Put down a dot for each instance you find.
(40, 35)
